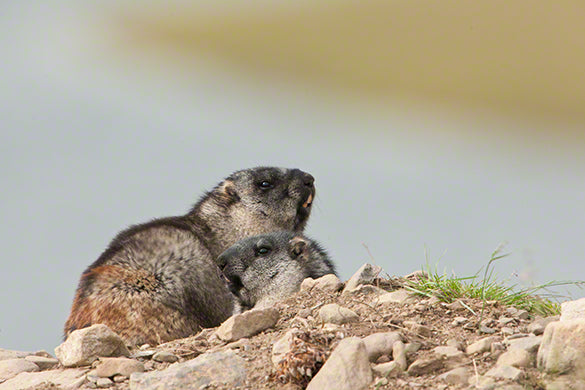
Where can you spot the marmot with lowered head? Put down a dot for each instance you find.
(267, 268)
(158, 281)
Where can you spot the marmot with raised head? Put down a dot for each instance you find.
(158, 281)
(266, 268)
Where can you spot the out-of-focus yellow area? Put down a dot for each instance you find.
(519, 57)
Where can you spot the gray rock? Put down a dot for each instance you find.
(365, 275)
(145, 354)
(6, 354)
(456, 376)
(516, 357)
(481, 346)
(119, 378)
(447, 351)
(538, 325)
(223, 368)
(518, 313)
(84, 346)
(67, 379)
(426, 365)
(282, 346)
(109, 367)
(378, 344)
(11, 367)
(329, 282)
(506, 320)
(387, 370)
(455, 344)
(412, 348)
(335, 314)
(44, 363)
(573, 310)
(505, 372)
(529, 344)
(399, 354)
(401, 296)
(507, 331)
(165, 357)
(247, 324)
(562, 350)
(347, 368)
(103, 383)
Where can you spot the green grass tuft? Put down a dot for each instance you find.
(536, 300)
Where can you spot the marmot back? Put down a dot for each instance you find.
(267, 268)
(158, 281)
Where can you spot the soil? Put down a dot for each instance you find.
(316, 340)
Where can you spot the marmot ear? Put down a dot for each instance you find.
(298, 245)
(229, 190)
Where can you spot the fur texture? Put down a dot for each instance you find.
(158, 281)
(267, 268)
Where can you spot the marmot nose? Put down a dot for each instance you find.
(308, 179)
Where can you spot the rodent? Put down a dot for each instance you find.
(266, 268)
(159, 281)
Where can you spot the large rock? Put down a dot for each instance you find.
(335, 314)
(329, 283)
(247, 324)
(365, 275)
(84, 346)
(426, 365)
(11, 367)
(347, 368)
(378, 344)
(516, 357)
(573, 310)
(223, 368)
(481, 346)
(64, 379)
(529, 344)
(44, 363)
(10, 354)
(562, 350)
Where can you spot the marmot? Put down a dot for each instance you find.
(158, 281)
(269, 267)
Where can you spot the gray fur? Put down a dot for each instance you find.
(269, 267)
(158, 281)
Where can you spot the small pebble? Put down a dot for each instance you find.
(102, 383)
(165, 357)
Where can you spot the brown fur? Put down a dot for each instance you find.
(158, 281)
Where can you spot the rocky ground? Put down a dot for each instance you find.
(367, 333)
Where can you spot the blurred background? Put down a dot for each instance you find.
(436, 130)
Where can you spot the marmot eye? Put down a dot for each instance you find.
(265, 184)
(262, 250)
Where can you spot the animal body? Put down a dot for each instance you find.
(269, 267)
(159, 281)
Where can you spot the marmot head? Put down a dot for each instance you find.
(256, 201)
(269, 267)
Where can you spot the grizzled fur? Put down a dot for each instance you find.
(269, 267)
(158, 281)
